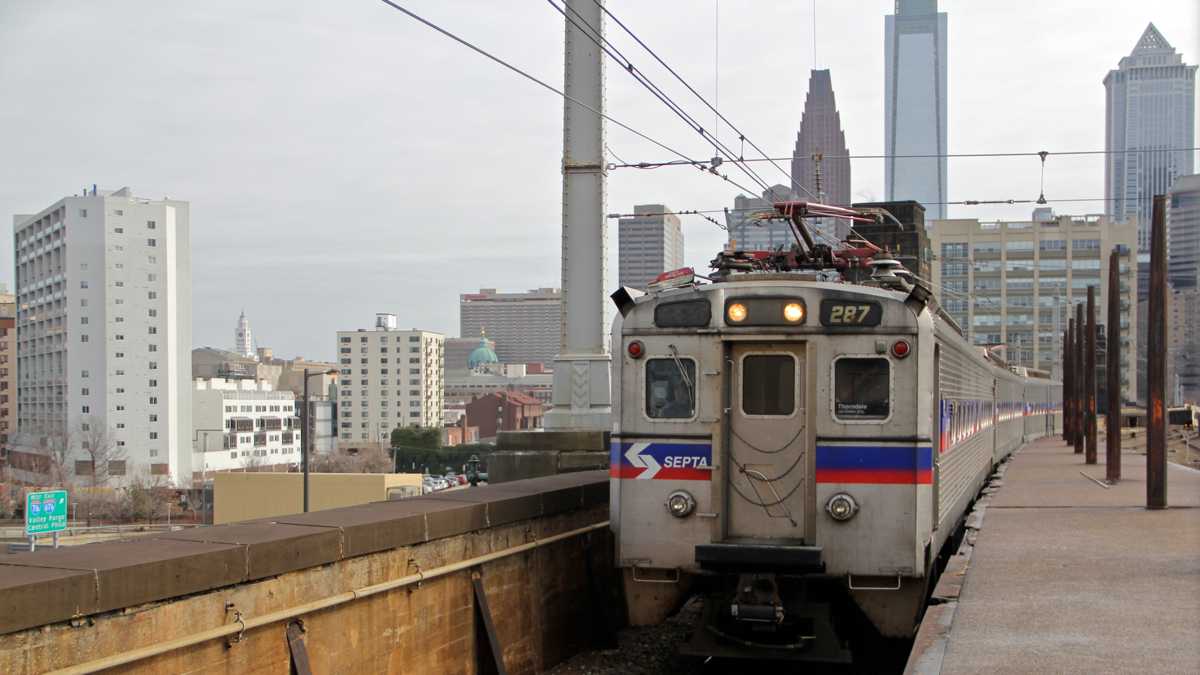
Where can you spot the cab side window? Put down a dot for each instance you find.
(862, 388)
(670, 388)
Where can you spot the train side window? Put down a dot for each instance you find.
(670, 388)
(862, 388)
(768, 384)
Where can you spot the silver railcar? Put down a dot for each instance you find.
(772, 431)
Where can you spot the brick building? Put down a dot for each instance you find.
(504, 411)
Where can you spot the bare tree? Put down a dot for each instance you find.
(99, 444)
(55, 445)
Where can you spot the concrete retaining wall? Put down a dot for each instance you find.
(66, 607)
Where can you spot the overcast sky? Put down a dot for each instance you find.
(341, 159)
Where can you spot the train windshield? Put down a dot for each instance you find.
(862, 388)
(670, 393)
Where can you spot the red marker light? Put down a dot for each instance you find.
(900, 349)
(636, 349)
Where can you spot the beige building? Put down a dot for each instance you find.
(1183, 345)
(1016, 283)
(249, 496)
(388, 378)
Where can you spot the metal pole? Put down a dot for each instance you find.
(582, 399)
(304, 439)
(1089, 379)
(1077, 380)
(1068, 383)
(1112, 442)
(1156, 419)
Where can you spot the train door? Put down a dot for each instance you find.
(767, 465)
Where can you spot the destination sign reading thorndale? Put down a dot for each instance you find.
(851, 313)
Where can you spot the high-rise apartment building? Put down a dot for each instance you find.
(527, 327)
(747, 233)
(243, 340)
(104, 332)
(389, 378)
(915, 111)
(1016, 283)
(1183, 233)
(1150, 108)
(650, 243)
(820, 159)
(8, 367)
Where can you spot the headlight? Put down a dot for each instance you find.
(680, 504)
(841, 507)
(793, 312)
(737, 312)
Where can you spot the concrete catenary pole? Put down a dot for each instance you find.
(1068, 383)
(1156, 368)
(1112, 441)
(1078, 379)
(1089, 379)
(582, 397)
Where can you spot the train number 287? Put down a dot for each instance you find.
(849, 314)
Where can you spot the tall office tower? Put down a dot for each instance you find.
(527, 327)
(1150, 106)
(1016, 283)
(243, 340)
(8, 367)
(746, 233)
(104, 333)
(819, 161)
(915, 113)
(389, 378)
(650, 243)
(1183, 233)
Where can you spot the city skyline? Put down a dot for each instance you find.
(321, 182)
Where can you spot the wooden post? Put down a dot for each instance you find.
(1089, 379)
(1069, 383)
(1112, 441)
(1156, 417)
(1066, 378)
(1077, 379)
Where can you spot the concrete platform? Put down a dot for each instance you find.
(1067, 576)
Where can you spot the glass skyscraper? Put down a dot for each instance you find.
(915, 105)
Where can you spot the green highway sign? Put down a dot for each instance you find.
(45, 512)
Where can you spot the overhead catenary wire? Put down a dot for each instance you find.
(545, 85)
(614, 53)
(741, 136)
(952, 155)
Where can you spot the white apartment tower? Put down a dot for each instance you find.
(243, 339)
(388, 378)
(104, 331)
(650, 243)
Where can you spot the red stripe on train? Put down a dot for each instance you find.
(876, 476)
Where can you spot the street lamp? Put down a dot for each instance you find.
(304, 435)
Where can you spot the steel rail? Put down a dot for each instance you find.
(250, 623)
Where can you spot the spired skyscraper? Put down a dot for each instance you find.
(915, 105)
(819, 161)
(1150, 108)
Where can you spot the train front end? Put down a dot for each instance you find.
(771, 449)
